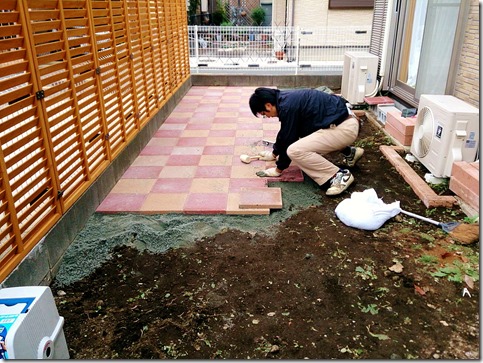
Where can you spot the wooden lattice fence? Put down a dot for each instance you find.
(78, 80)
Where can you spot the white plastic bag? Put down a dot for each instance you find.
(364, 210)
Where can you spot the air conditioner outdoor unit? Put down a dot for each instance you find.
(359, 77)
(30, 326)
(446, 130)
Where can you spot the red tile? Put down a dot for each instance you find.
(291, 174)
(172, 185)
(211, 203)
(116, 202)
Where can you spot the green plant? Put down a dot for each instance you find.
(428, 259)
(471, 220)
(366, 272)
(192, 10)
(258, 15)
(371, 308)
(456, 271)
(440, 188)
(220, 16)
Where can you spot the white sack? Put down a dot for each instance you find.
(364, 210)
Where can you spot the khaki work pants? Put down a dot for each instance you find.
(308, 152)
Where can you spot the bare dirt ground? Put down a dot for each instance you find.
(315, 289)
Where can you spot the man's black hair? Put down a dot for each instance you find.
(260, 97)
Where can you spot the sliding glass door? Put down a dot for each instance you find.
(426, 45)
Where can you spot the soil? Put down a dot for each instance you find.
(315, 288)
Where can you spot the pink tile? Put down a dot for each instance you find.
(187, 106)
(115, 202)
(191, 141)
(211, 171)
(176, 120)
(207, 120)
(212, 203)
(250, 126)
(224, 120)
(207, 107)
(237, 184)
(157, 150)
(172, 185)
(198, 127)
(143, 172)
(168, 133)
(187, 150)
(261, 198)
(183, 160)
(248, 140)
(197, 90)
(218, 150)
(222, 133)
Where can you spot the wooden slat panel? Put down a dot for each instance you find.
(78, 80)
(25, 168)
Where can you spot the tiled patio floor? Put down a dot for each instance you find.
(192, 163)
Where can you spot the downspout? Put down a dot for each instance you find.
(286, 10)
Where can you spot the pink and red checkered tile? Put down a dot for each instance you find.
(192, 163)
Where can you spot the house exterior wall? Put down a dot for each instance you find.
(467, 84)
(307, 13)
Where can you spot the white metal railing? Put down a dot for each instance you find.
(272, 50)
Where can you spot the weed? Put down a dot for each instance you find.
(371, 308)
(171, 351)
(339, 253)
(382, 290)
(428, 259)
(471, 220)
(366, 272)
(456, 271)
(440, 188)
(141, 296)
(427, 237)
(355, 352)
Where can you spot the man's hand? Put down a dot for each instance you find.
(266, 155)
(269, 172)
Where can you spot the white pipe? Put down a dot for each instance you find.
(385, 43)
(384, 50)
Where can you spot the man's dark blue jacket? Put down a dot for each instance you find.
(302, 112)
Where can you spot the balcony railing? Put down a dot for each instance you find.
(273, 50)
